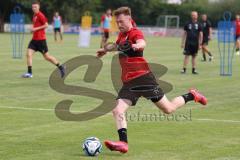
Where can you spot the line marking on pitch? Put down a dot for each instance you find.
(45, 109)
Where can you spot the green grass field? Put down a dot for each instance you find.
(30, 130)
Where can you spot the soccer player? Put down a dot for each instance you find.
(57, 24)
(207, 35)
(191, 41)
(237, 23)
(138, 80)
(105, 26)
(38, 42)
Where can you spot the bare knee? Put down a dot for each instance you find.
(29, 55)
(167, 109)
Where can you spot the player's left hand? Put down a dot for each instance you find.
(200, 46)
(33, 29)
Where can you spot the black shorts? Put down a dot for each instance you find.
(191, 49)
(105, 34)
(237, 37)
(38, 45)
(57, 30)
(145, 85)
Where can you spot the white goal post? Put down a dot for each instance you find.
(168, 21)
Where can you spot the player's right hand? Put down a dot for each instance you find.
(101, 52)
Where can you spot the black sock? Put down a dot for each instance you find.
(237, 49)
(123, 135)
(193, 70)
(209, 53)
(59, 66)
(204, 57)
(30, 69)
(184, 69)
(188, 97)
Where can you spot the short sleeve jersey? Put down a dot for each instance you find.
(132, 62)
(39, 19)
(193, 30)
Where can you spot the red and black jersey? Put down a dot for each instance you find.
(39, 19)
(132, 62)
(237, 24)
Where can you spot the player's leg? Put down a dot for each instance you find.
(43, 48)
(119, 116)
(121, 123)
(50, 58)
(54, 61)
(204, 54)
(29, 56)
(185, 63)
(55, 35)
(238, 45)
(206, 50)
(60, 34)
(194, 63)
(32, 47)
(170, 106)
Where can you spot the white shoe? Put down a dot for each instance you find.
(238, 53)
(27, 75)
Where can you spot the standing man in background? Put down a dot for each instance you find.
(207, 35)
(105, 26)
(57, 24)
(191, 41)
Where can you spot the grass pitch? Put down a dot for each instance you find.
(29, 129)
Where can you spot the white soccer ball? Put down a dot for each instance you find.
(92, 146)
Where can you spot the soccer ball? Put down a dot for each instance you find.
(92, 146)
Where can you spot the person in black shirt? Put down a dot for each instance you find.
(191, 41)
(207, 34)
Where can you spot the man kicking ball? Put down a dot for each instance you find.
(137, 79)
(38, 42)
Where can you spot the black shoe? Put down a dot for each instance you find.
(194, 72)
(183, 72)
(62, 70)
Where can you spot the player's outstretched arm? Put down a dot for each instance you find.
(139, 45)
(109, 47)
